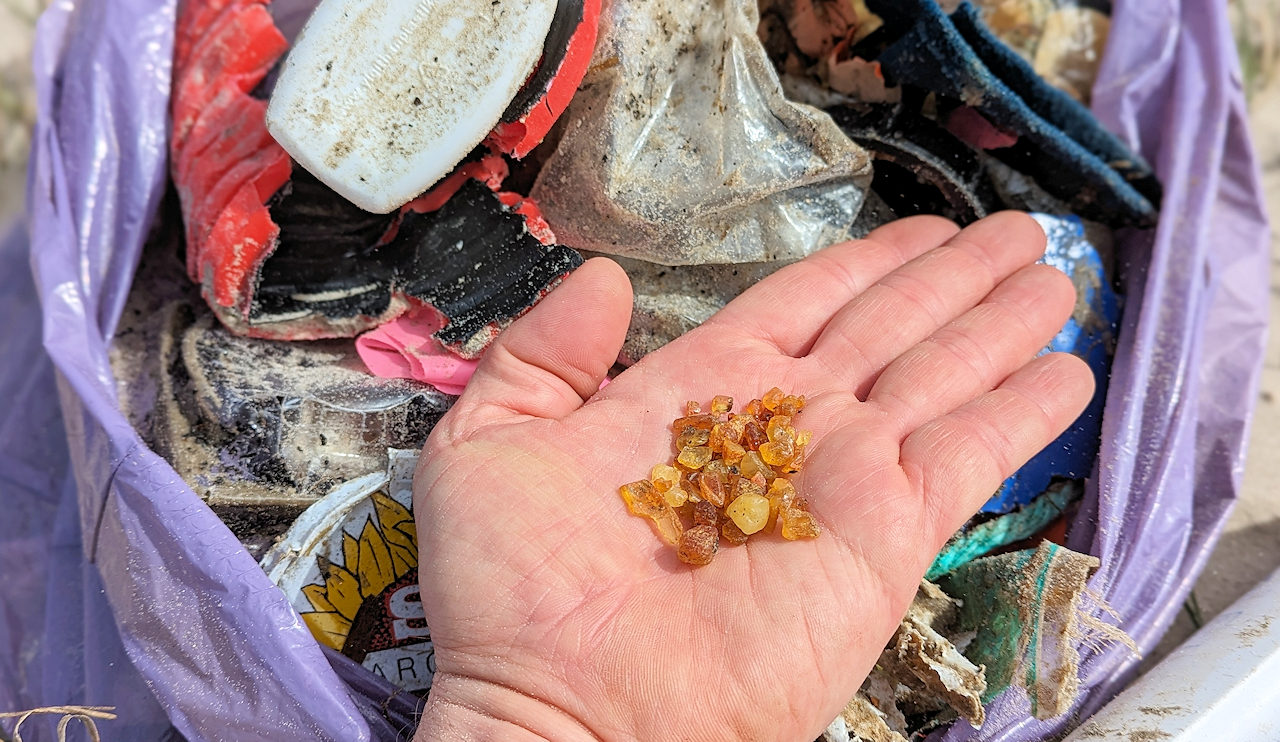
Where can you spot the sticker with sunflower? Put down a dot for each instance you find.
(350, 567)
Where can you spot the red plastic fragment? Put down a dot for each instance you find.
(518, 138)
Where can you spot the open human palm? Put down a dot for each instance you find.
(556, 614)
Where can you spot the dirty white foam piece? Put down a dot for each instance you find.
(1223, 683)
(379, 99)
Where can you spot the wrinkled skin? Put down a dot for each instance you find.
(557, 614)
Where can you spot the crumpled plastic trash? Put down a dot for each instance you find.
(680, 147)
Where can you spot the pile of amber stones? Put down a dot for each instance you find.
(730, 479)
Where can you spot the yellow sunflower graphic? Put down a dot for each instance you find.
(385, 553)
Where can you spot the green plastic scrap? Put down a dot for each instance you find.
(987, 537)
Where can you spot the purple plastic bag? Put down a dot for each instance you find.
(111, 554)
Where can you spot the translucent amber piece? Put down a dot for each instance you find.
(698, 545)
(783, 491)
(675, 496)
(771, 399)
(752, 464)
(695, 457)
(705, 514)
(692, 408)
(641, 498)
(693, 421)
(692, 436)
(733, 453)
(796, 463)
(749, 512)
(730, 532)
(790, 405)
(778, 425)
(715, 441)
(664, 477)
(803, 437)
(734, 428)
(753, 436)
(667, 523)
(777, 454)
(798, 524)
(713, 489)
(721, 404)
(754, 408)
(748, 487)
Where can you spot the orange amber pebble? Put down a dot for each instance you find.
(777, 454)
(733, 453)
(754, 408)
(693, 421)
(734, 428)
(721, 404)
(705, 514)
(749, 512)
(771, 399)
(753, 436)
(730, 532)
(798, 524)
(752, 464)
(778, 425)
(790, 405)
(695, 457)
(692, 408)
(698, 545)
(713, 489)
(641, 498)
(664, 477)
(692, 436)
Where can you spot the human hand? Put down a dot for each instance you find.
(557, 614)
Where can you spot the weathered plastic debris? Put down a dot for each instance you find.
(380, 100)
(280, 255)
(920, 674)
(680, 147)
(349, 566)
(988, 535)
(1089, 334)
(1058, 142)
(1030, 610)
(259, 429)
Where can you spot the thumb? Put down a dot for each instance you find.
(548, 362)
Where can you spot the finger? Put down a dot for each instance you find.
(957, 461)
(789, 308)
(977, 351)
(911, 303)
(553, 358)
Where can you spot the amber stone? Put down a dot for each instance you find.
(771, 399)
(705, 514)
(641, 498)
(692, 408)
(692, 436)
(798, 524)
(702, 421)
(777, 454)
(754, 408)
(713, 489)
(749, 512)
(778, 425)
(733, 453)
(695, 457)
(730, 532)
(698, 545)
(753, 436)
(789, 406)
(721, 404)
